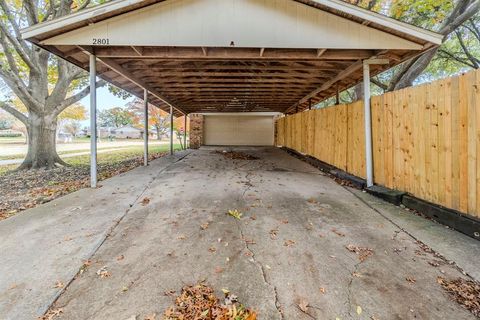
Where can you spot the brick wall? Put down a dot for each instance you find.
(196, 131)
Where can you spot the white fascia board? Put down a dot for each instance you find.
(84, 15)
(382, 20)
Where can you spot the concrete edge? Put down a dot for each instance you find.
(328, 168)
(106, 234)
(454, 219)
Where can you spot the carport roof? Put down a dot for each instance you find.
(231, 55)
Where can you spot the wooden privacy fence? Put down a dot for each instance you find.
(426, 140)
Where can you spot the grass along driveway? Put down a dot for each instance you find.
(20, 190)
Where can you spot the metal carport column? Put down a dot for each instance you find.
(368, 117)
(93, 121)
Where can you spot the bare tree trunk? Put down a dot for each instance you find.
(409, 75)
(358, 91)
(42, 151)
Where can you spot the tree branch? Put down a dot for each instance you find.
(15, 26)
(18, 87)
(379, 84)
(458, 19)
(456, 58)
(76, 97)
(14, 112)
(31, 11)
(470, 57)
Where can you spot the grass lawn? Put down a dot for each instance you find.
(120, 155)
(113, 157)
(20, 190)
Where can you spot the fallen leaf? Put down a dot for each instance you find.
(359, 310)
(59, 284)
(411, 279)
(169, 293)
(120, 258)
(51, 314)
(338, 233)
(150, 316)
(362, 252)
(235, 213)
(303, 305)
(273, 234)
(204, 226)
(289, 243)
(145, 201)
(323, 290)
(103, 272)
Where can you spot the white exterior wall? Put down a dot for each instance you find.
(248, 23)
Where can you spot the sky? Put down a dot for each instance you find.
(105, 100)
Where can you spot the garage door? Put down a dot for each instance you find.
(232, 130)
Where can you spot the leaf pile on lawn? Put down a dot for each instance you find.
(465, 292)
(234, 155)
(200, 302)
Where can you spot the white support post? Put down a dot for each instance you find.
(93, 121)
(368, 124)
(368, 116)
(171, 130)
(145, 128)
(185, 133)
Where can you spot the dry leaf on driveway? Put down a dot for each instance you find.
(303, 305)
(289, 243)
(152, 316)
(273, 233)
(465, 292)
(338, 233)
(411, 279)
(362, 252)
(145, 201)
(51, 314)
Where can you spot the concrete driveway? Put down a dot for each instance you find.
(290, 245)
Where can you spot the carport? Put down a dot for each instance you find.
(231, 56)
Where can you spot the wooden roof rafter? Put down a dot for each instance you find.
(202, 77)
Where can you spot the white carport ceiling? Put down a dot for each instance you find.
(231, 55)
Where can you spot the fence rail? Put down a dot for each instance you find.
(426, 140)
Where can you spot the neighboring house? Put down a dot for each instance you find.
(127, 132)
(64, 137)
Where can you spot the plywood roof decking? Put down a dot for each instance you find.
(232, 79)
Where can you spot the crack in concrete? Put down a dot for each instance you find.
(263, 273)
(108, 234)
(254, 260)
(349, 289)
